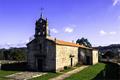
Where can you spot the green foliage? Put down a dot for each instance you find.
(66, 67)
(87, 73)
(109, 54)
(13, 54)
(47, 76)
(17, 54)
(1, 54)
(84, 42)
(5, 73)
(52, 75)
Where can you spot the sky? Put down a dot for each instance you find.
(96, 20)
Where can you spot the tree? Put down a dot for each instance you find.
(6, 54)
(84, 42)
(17, 54)
(2, 54)
(13, 54)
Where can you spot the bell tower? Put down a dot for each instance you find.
(41, 27)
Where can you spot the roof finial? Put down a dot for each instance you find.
(49, 33)
(41, 16)
(46, 19)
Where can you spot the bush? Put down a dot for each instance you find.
(78, 64)
(65, 67)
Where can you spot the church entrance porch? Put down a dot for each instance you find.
(88, 60)
(40, 62)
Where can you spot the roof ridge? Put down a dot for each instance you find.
(66, 43)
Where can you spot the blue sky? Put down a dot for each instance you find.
(97, 20)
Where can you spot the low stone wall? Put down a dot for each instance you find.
(119, 69)
(9, 61)
(112, 70)
(16, 66)
(0, 66)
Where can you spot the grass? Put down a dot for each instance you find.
(47, 76)
(5, 73)
(88, 73)
(44, 77)
(94, 72)
(51, 75)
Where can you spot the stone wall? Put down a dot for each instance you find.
(85, 56)
(50, 56)
(56, 57)
(30, 56)
(94, 56)
(81, 56)
(34, 52)
(63, 56)
(46, 54)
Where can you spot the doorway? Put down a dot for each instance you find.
(88, 60)
(40, 64)
(71, 62)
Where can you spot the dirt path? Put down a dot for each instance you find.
(68, 74)
(24, 75)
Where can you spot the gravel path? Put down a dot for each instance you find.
(24, 75)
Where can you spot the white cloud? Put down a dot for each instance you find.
(53, 30)
(112, 33)
(102, 32)
(8, 45)
(116, 2)
(26, 41)
(69, 29)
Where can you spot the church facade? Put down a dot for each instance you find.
(50, 54)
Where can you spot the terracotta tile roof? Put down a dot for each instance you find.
(61, 42)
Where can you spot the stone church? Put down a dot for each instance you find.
(50, 54)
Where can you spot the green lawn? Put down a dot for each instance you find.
(5, 73)
(51, 75)
(94, 72)
(88, 73)
(47, 76)
(44, 77)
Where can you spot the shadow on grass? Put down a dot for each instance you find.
(111, 72)
(99, 76)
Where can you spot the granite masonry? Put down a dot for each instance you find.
(50, 54)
